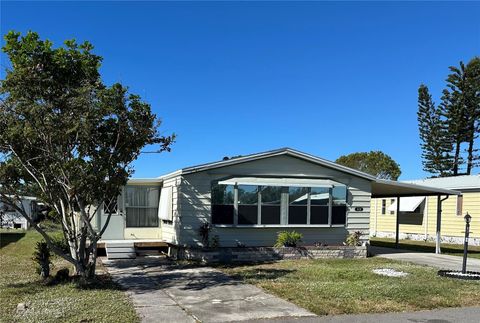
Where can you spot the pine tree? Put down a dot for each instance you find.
(436, 144)
(460, 106)
(473, 111)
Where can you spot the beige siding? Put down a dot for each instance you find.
(194, 203)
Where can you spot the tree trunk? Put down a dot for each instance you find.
(471, 134)
(456, 159)
(45, 269)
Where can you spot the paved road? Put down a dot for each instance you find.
(429, 259)
(164, 293)
(450, 315)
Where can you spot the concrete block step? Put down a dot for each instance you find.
(120, 249)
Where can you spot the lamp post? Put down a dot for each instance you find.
(467, 218)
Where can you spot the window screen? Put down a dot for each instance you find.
(222, 204)
(297, 205)
(271, 202)
(141, 205)
(319, 200)
(247, 204)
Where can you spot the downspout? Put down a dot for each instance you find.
(376, 219)
(439, 223)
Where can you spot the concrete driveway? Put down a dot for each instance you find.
(162, 292)
(429, 259)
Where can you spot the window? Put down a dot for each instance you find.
(278, 205)
(392, 212)
(384, 207)
(459, 205)
(339, 205)
(110, 206)
(222, 204)
(298, 205)
(247, 204)
(141, 205)
(319, 205)
(271, 198)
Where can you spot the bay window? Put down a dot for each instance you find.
(259, 205)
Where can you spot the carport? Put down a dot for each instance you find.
(391, 189)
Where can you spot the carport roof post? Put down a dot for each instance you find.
(383, 188)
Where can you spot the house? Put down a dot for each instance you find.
(11, 218)
(247, 200)
(417, 214)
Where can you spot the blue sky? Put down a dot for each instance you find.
(232, 78)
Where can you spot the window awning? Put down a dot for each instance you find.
(291, 182)
(407, 204)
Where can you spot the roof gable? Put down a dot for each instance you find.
(278, 152)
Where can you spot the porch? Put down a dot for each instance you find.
(129, 248)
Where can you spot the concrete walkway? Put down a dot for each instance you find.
(447, 315)
(162, 292)
(429, 259)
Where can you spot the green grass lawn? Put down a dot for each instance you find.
(449, 249)
(65, 302)
(339, 286)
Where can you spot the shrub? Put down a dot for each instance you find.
(216, 241)
(62, 275)
(204, 233)
(288, 239)
(58, 239)
(353, 239)
(42, 258)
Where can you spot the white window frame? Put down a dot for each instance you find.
(284, 209)
(113, 213)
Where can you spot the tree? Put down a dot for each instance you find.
(436, 145)
(68, 138)
(462, 107)
(458, 121)
(375, 163)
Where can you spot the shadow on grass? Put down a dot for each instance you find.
(100, 282)
(263, 274)
(10, 237)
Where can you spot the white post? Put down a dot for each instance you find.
(439, 225)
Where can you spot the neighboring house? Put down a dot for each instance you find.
(11, 218)
(248, 200)
(418, 214)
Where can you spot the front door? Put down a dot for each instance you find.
(116, 226)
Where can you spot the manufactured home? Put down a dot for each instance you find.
(247, 200)
(417, 216)
(11, 218)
